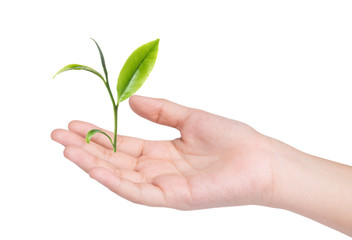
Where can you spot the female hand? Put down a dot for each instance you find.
(215, 162)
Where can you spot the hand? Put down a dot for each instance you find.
(216, 161)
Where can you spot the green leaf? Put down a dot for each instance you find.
(79, 67)
(136, 69)
(93, 132)
(102, 60)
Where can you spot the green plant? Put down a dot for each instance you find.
(133, 74)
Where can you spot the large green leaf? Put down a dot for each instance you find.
(102, 59)
(79, 67)
(92, 132)
(136, 69)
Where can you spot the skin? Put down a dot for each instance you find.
(216, 162)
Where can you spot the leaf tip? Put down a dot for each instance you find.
(55, 75)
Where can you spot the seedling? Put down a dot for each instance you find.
(133, 74)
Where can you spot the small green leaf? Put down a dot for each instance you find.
(102, 60)
(79, 67)
(136, 69)
(93, 132)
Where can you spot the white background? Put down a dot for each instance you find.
(283, 67)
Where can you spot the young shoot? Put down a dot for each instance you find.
(132, 76)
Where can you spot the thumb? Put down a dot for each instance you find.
(160, 111)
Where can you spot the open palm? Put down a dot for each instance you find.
(216, 161)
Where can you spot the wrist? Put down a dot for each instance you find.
(288, 173)
(311, 186)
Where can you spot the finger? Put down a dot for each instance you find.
(142, 193)
(160, 111)
(129, 145)
(118, 159)
(87, 161)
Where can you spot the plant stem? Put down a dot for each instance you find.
(115, 106)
